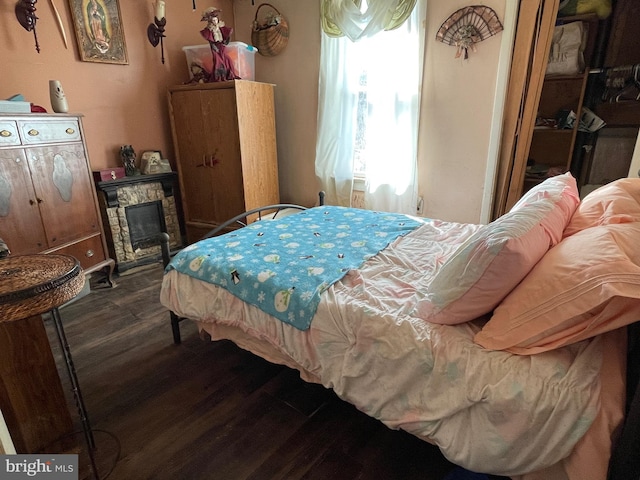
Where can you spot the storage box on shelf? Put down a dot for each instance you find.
(243, 58)
(14, 106)
(108, 174)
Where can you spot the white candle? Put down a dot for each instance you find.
(160, 9)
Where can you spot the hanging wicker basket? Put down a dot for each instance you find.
(270, 34)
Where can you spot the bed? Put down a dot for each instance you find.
(503, 344)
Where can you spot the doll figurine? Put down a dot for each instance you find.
(218, 35)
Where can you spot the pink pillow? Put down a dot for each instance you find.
(488, 265)
(586, 285)
(616, 202)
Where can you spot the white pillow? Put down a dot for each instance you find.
(485, 268)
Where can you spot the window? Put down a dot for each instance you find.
(360, 144)
(368, 116)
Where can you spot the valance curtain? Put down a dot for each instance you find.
(346, 17)
(368, 108)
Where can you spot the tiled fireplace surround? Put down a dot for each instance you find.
(134, 210)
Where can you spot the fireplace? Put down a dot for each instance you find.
(146, 221)
(134, 211)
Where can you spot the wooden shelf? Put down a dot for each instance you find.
(545, 96)
(552, 78)
(559, 94)
(553, 131)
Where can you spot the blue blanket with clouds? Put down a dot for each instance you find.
(282, 266)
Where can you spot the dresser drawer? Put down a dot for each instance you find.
(9, 133)
(34, 132)
(89, 251)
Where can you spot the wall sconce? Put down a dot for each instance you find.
(26, 15)
(155, 31)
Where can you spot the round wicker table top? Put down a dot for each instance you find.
(34, 284)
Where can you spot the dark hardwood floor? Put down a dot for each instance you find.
(204, 410)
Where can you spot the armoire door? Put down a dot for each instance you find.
(66, 199)
(206, 129)
(20, 223)
(219, 109)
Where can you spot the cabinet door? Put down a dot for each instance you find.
(61, 180)
(20, 224)
(206, 130)
(220, 111)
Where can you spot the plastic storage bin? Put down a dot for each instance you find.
(243, 58)
(241, 54)
(198, 56)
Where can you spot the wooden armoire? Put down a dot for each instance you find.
(47, 200)
(225, 143)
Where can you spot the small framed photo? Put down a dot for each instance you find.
(99, 32)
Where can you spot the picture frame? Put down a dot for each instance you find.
(99, 32)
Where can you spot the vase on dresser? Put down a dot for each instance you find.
(59, 102)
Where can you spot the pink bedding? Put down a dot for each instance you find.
(488, 411)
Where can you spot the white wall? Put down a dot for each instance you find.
(457, 109)
(458, 105)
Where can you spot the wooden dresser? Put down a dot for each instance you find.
(47, 199)
(225, 141)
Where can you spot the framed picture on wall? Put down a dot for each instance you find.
(99, 32)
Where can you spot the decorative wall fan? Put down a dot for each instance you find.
(467, 26)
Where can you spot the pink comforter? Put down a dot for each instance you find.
(488, 411)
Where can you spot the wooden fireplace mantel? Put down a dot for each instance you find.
(136, 208)
(110, 187)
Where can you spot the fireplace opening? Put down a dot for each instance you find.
(146, 221)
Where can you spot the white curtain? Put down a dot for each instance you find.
(384, 73)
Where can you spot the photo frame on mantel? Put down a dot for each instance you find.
(99, 32)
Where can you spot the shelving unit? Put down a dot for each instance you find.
(553, 146)
(575, 151)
